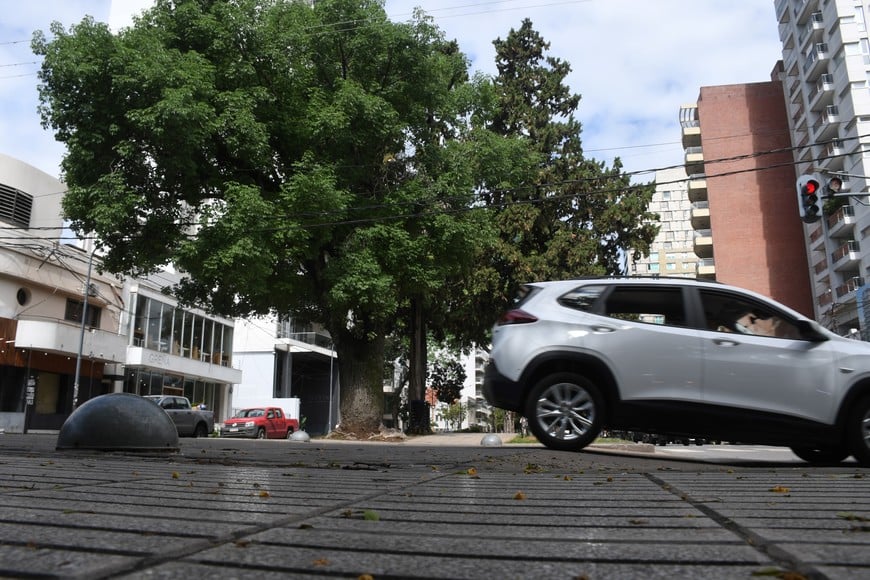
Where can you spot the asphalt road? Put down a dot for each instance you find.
(435, 507)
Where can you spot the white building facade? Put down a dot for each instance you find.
(672, 252)
(69, 333)
(826, 63)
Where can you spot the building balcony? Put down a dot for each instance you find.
(820, 266)
(703, 243)
(851, 285)
(691, 126)
(824, 94)
(842, 222)
(804, 10)
(700, 215)
(697, 187)
(825, 299)
(782, 12)
(694, 160)
(816, 234)
(846, 257)
(817, 61)
(827, 124)
(706, 268)
(813, 32)
(63, 337)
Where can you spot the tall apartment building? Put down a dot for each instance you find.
(826, 79)
(741, 185)
(672, 252)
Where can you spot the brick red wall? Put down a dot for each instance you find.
(758, 239)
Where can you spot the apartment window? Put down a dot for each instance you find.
(654, 267)
(74, 313)
(859, 18)
(670, 266)
(666, 195)
(654, 256)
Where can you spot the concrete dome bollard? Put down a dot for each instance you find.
(118, 422)
(491, 440)
(300, 436)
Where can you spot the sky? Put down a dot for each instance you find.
(634, 63)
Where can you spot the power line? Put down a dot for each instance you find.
(479, 196)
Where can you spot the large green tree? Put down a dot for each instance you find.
(290, 157)
(572, 216)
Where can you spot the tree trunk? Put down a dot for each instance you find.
(417, 371)
(361, 368)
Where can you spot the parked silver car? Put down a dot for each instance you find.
(678, 357)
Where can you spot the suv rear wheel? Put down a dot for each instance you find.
(821, 455)
(858, 431)
(565, 411)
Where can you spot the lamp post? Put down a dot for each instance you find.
(86, 293)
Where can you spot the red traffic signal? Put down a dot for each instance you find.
(809, 204)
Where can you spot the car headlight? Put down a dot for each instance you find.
(249, 423)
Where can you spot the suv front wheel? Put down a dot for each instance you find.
(565, 411)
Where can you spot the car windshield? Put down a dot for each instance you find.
(249, 413)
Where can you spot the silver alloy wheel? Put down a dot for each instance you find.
(566, 411)
(865, 428)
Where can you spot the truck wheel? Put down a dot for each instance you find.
(200, 430)
(261, 433)
(290, 433)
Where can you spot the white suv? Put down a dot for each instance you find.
(678, 357)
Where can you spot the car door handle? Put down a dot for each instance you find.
(725, 342)
(602, 329)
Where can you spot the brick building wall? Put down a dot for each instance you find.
(758, 239)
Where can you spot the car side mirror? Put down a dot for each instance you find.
(811, 331)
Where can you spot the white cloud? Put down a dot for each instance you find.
(634, 63)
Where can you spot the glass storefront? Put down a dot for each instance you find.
(164, 328)
(141, 381)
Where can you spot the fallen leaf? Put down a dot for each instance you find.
(265, 493)
(852, 517)
(471, 471)
(174, 475)
(779, 489)
(519, 495)
(242, 543)
(321, 562)
(371, 516)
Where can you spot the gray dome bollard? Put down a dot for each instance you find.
(118, 422)
(490, 440)
(300, 436)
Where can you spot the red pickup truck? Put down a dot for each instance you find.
(260, 423)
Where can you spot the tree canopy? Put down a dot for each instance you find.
(321, 160)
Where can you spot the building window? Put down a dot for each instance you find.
(74, 313)
(654, 267)
(670, 266)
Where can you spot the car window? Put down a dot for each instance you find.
(653, 305)
(725, 312)
(582, 298)
(524, 293)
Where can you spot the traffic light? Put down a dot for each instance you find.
(809, 192)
